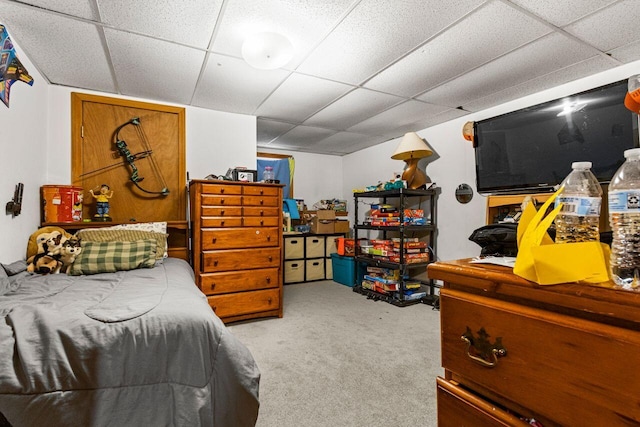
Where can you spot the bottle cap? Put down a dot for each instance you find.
(633, 152)
(581, 165)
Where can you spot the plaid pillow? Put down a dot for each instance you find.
(124, 235)
(109, 257)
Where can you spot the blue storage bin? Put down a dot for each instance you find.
(343, 270)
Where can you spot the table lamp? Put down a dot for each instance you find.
(411, 149)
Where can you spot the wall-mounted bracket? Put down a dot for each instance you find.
(15, 205)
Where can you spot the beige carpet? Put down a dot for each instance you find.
(337, 358)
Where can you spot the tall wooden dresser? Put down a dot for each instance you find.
(512, 350)
(237, 247)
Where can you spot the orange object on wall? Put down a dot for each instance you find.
(61, 203)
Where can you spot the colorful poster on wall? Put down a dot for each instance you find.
(11, 69)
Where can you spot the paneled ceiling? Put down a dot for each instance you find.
(363, 72)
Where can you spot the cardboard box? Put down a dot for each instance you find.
(323, 222)
(342, 226)
(322, 226)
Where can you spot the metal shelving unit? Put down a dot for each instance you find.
(403, 196)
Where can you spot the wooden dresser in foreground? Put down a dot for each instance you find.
(237, 247)
(564, 355)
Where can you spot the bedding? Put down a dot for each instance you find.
(139, 347)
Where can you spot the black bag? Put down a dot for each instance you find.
(497, 239)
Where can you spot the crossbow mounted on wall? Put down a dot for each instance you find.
(129, 158)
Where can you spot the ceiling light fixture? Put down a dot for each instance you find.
(267, 51)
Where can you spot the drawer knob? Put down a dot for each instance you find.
(222, 222)
(213, 286)
(215, 263)
(269, 238)
(222, 212)
(270, 258)
(261, 202)
(222, 201)
(261, 192)
(268, 279)
(480, 350)
(222, 191)
(269, 300)
(261, 213)
(262, 223)
(214, 239)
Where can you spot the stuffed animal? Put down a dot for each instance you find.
(68, 253)
(49, 252)
(43, 264)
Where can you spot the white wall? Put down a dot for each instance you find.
(456, 164)
(316, 176)
(23, 141)
(215, 140)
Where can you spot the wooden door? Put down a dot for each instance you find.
(154, 136)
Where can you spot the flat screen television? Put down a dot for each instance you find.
(531, 150)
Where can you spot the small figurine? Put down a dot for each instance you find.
(102, 202)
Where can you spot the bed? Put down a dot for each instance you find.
(137, 347)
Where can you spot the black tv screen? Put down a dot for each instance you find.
(532, 149)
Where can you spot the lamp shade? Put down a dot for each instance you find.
(412, 147)
(267, 51)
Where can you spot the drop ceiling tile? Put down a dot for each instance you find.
(72, 55)
(189, 22)
(376, 33)
(271, 129)
(627, 53)
(429, 121)
(352, 108)
(609, 28)
(300, 96)
(80, 8)
(563, 12)
(544, 56)
(573, 72)
(230, 84)
(304, 23)
(482, 36)
(142, 68)
(344, 143)
(387, 122)
(302, 137)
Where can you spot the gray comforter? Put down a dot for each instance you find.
(137, 348)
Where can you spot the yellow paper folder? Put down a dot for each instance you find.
(546, 263)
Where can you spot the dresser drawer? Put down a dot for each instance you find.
(239, 238)
(459, 407)
(240, 303)
(256, 221)
(221, 189)
(260, 201)
(221, 200)
(548, 357)
(260, 191)
(240, 259)
(242, 280)
(261, 211)
(209, 222)
(221, 211)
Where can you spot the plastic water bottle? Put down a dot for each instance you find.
(581, 196)
(624, 218)
(268, 175)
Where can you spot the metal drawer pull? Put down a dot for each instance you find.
(484, 353)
